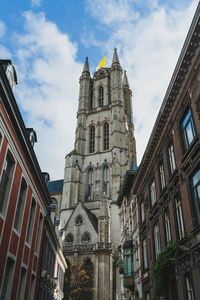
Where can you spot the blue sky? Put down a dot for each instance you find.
(48, 41)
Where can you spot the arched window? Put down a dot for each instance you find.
(86, 237)
(79, 220)
(106, 136)
(106, 180)
(92, 139)
(101, 96)
(69, 238)
(90, 184)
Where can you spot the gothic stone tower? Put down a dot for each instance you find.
(104, 149)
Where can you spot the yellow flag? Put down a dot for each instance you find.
(102, 63)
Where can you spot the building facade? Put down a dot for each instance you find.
(129, 255)
(167, 184)
(24, 198)
(104, 148)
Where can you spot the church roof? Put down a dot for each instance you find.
(55, 186)
(92, 217)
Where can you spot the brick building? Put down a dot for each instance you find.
(23, 199)
(167, 184)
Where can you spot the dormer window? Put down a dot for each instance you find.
(101, 96)
(32, 136)
(79, 220)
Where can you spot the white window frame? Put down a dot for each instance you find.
(172, 160)
(153, 192)
(179, 215)
(162, 175)
(157, 243)
(167, 226)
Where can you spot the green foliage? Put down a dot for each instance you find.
(77, 283)
(163, 269)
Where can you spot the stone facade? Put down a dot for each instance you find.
(104, 148)
(168, 180)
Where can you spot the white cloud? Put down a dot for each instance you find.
(48, 89)
(36, 3)
(148, 49)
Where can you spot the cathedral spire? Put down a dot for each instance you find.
(115, 57)
(86, 66)
(125, 80)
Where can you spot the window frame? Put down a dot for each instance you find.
(167, 226)
(92, 139)
(180, 226)
(195, 201)
(31, 221)
(157, 240)
(9, 183)
(20, 206)
(162, 177)
(184, 135)
(106, 136)
(101, 96)
(153, 195)
(171, 158)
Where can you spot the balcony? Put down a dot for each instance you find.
(88, 247)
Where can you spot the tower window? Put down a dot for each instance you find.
(106, 180)
(106, 137)
(90, 184)
(92, 139)
(101, 96)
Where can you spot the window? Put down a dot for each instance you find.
(106, 136)
(79, 220)
(179, 216)
(5, 181)
(37, 244)
(157, 245)
(21, 288)
(7, 281)
(188, 131)
(92, 139)
(86, 237)
(172, 161)
(128, 261)
(101, 96)
(189, 289)
(69, 238)
(20, 205)
(144, 250)
(106, 180)
(153, 192)
(32, 288)
(31, 222)
(142, 213)
(1, 138)
(196, 194)
(162, 176)
(90, 184)
(167, 226)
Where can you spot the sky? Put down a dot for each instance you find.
(48, 41)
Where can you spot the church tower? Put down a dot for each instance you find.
(103, 151)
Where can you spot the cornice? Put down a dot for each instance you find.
(189, 53)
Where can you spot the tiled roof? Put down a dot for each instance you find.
(55, 186)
